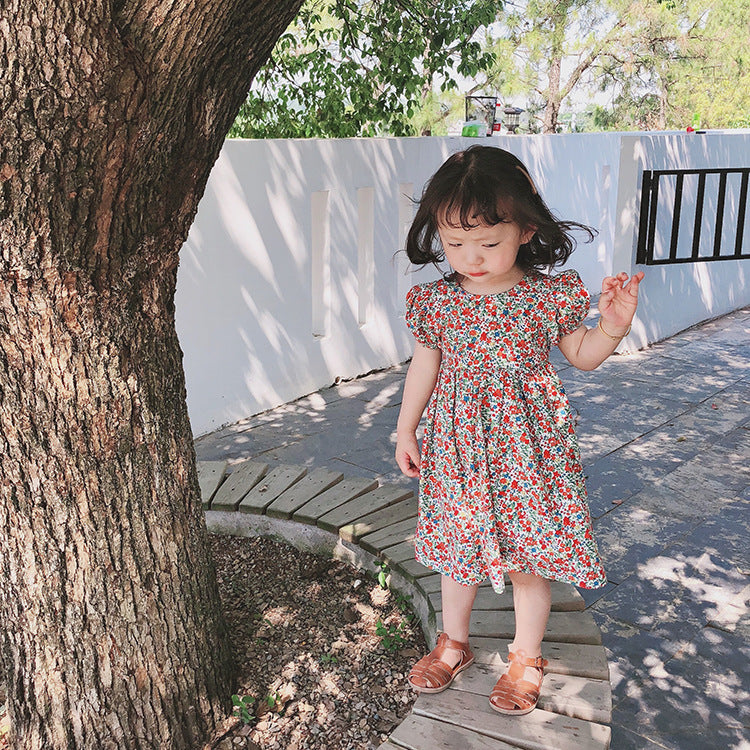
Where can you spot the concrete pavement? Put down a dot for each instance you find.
(665, 440)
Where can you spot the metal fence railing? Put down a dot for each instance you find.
(715, 230)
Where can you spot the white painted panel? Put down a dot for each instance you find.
(278, 253)
(320, 244)
(675, 297)
(365, 252)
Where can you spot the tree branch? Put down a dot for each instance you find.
(581, 68)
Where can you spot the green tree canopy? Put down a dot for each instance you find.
(349, 68)
(658, 61)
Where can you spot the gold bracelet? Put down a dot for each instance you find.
(609, 335)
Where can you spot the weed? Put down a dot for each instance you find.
(329, 659)
(390, 635)
(383, 573)
(243, 708)
(403, 602)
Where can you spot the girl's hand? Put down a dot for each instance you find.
(618, 301)
(407, 454)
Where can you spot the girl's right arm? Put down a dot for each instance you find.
(420, 383)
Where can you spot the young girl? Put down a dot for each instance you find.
(501, 483)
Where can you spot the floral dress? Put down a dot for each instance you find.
(501, 481)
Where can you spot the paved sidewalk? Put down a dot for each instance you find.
(665, 440)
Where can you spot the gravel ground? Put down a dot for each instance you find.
(322, 649)
(305, 636)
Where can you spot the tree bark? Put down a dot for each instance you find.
(552, 104)
(553, 99)
(113, 113)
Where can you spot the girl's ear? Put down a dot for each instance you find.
(527, 234)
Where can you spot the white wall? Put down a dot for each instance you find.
(290, 277)
(675, 297)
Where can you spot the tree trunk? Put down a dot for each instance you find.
(114, 113)
(553, 97)
(552, 104)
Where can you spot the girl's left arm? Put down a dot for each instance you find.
(587, 348)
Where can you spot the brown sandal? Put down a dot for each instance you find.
(512, 694)
(432, 675)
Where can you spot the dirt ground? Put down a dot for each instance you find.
(322, 648)
(323, 651)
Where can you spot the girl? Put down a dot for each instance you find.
(501, 483)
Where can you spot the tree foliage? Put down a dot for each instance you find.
(708, 76)
(659, 62)
(401, 67)
(349, 68)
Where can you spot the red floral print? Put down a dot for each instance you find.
(501, 481)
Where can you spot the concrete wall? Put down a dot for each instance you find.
(675, 297)
(291, 276)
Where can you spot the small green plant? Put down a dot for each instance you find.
(403, 602)
(328, 659)
(390, 635)
(243, 708)
(383, 573)
(272, 699)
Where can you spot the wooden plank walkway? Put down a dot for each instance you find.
(575, 707)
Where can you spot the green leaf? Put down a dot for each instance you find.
(373, 62)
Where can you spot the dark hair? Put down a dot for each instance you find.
(487, 185)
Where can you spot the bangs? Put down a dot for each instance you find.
(463, 209)
(486, 186)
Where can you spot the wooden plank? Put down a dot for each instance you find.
(412, 569)
(238, 484)
(375, 541)
(565, 627)
(565, 598)
(434, 585)
(398, 553)
(279, 479)
(380, 519)
(538, 730)
(423, 733)
(580, 659)
(580, 697)
(302, 492)
(210, 476)
(381, 497)
(337, 495)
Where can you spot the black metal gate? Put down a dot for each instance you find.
(715, 231)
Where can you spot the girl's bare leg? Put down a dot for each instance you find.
(457, 603)
(532, 601)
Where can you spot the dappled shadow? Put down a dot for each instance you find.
(679, 653)
(291, 276)
(307, 648)
(348, 428)
(677, 296)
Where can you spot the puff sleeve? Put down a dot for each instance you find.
(572, 302)
(420, 316)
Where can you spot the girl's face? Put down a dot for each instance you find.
(485, 255)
